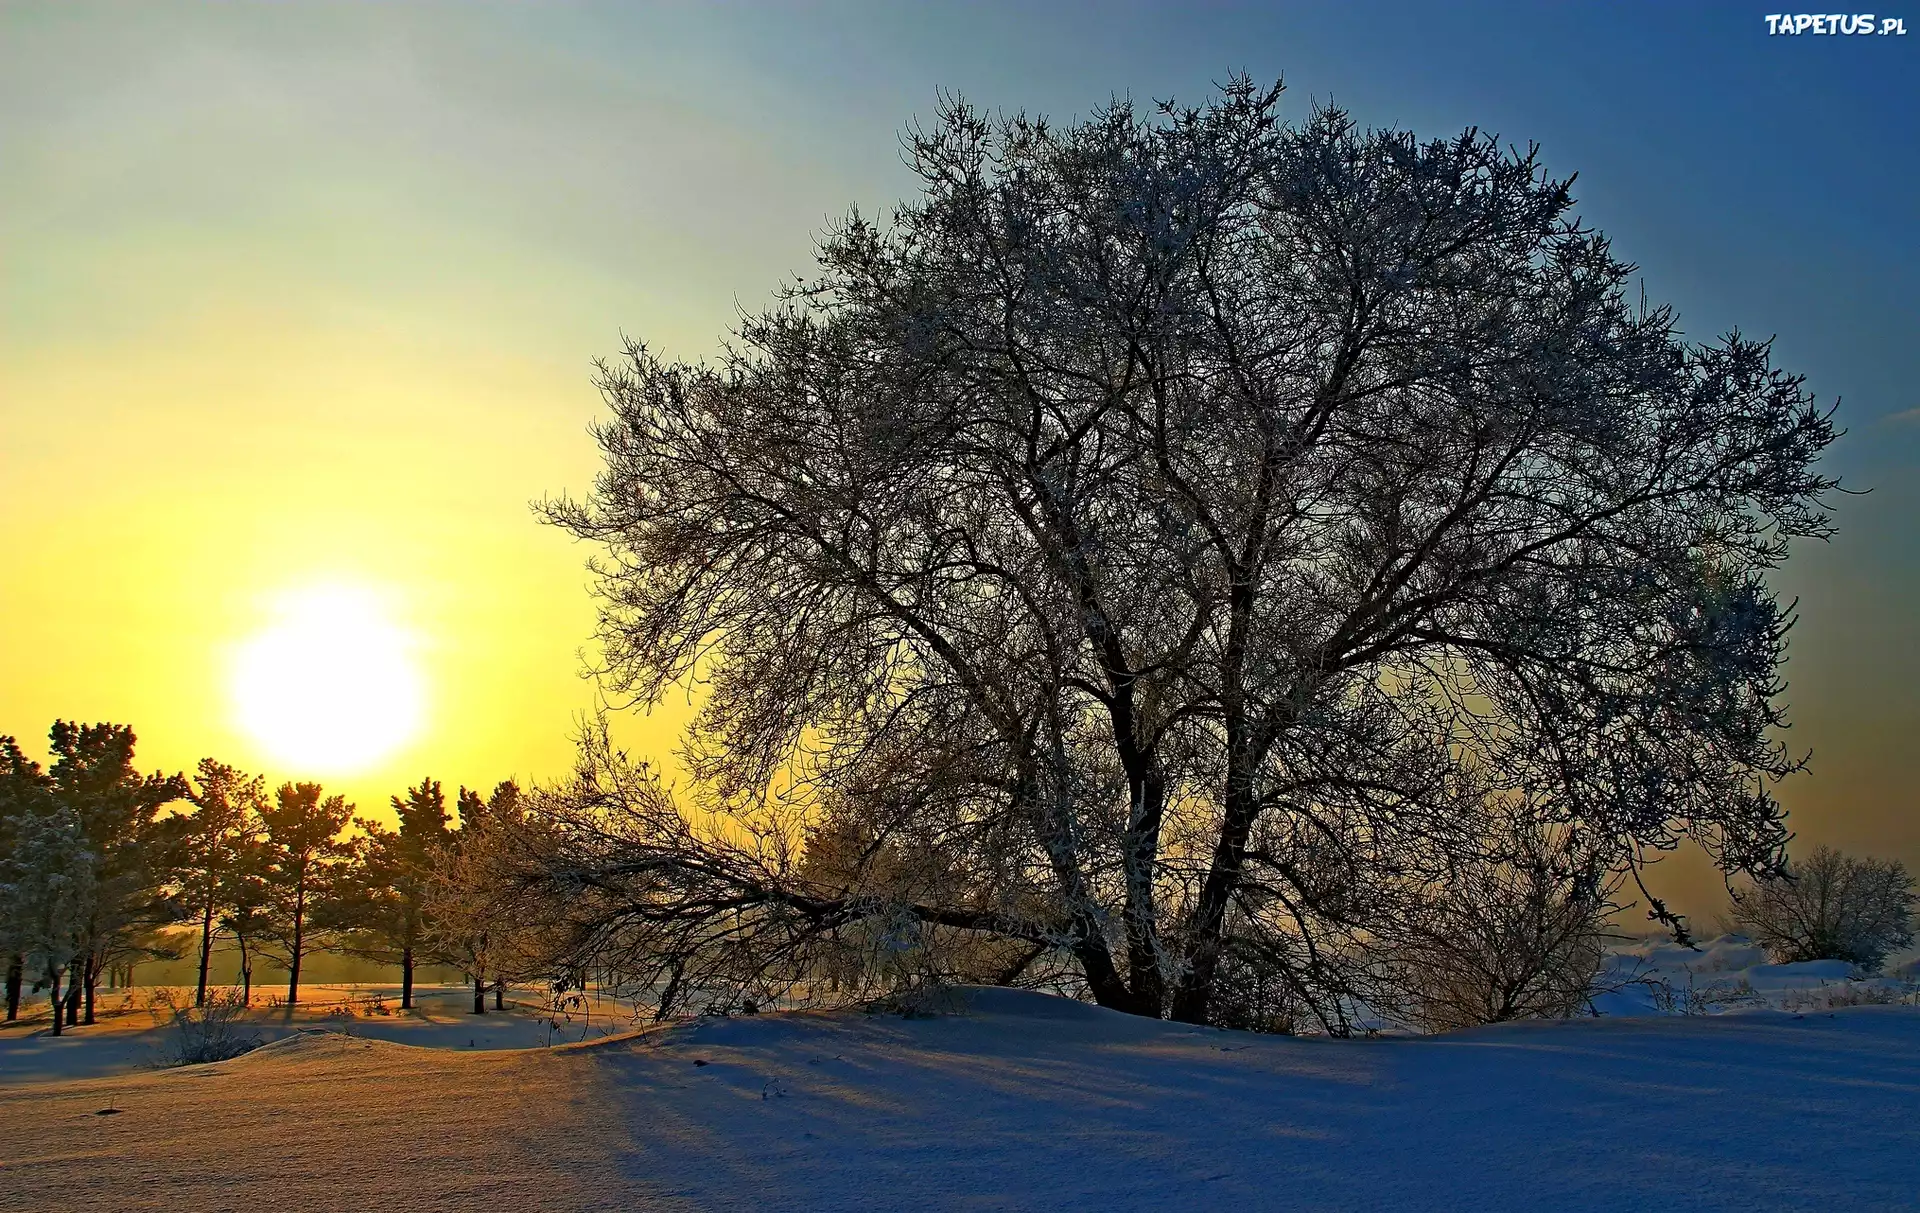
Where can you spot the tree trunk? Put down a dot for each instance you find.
(53, 994)
(499, 995)
(299, 927)
(206, 953)
(16, 975)
(1193, 1001)
(246, 972)
(479, 996)
(1096, 965)
(1089, 943)
(406, 979)
(90, 977)
(73, 1000)
(1141, 916)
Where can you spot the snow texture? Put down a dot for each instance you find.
(1019, 1101)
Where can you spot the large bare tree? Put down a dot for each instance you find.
(1164, 536)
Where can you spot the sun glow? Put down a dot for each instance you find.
(330, 686)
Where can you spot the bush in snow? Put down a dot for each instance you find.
(1259, 992)
(1868, 993)
(1829, 907)
(1687, 997)
(1518, 932)
(214, 1031)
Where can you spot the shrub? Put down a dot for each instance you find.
(214, 1032)
(1518, 931)
(1257, 990)
(1829, 907)
(1850, 994)
(1710, 999)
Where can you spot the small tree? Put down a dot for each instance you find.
(118, 808)
(247, 901)
(23, 791)
(207, 846)
(475, 921)
(48, 894)
(1518, 930)
(303, 855)
(1829, 907)
(381, 902)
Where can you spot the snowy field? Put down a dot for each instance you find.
(1729, 975)
(1015, 1101)
(134, 1034)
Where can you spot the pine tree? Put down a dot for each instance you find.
(247, 900)
(469, 928)
(207, 845)
(382, 900)
(23, 790)
(49, 895)
(303, 853)
(118, 810)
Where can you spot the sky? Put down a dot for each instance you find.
(301, 299)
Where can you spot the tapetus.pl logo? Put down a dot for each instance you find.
(1835, 23)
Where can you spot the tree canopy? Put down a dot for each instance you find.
(1185, 524)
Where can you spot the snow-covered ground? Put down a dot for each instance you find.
(134, 1031)
(1018, 1101)
(1730, 975)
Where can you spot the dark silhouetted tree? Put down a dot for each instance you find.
(380, 905)
(304, 853)
(48, 897)
(1167, 520)
(208, 844)
(248, 904)
(92, 774)
(23, 791)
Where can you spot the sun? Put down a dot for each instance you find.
(330, 686)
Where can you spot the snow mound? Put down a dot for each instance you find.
(312, 1044)
(1000, 1002)
(1031, 1004)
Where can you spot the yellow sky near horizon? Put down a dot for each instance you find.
(255, 341)
(172, 498)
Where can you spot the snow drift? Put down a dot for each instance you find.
(1019, 1101)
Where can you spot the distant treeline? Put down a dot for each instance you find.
(101, 866)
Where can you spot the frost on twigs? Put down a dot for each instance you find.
(736, 911)
(1134, 557)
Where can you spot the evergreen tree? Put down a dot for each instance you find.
(23, 790)
(206, 846)
(93, 777)
(303, 856)
(246, 898)
(470, 928)
(48, 894)
(381, 904)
